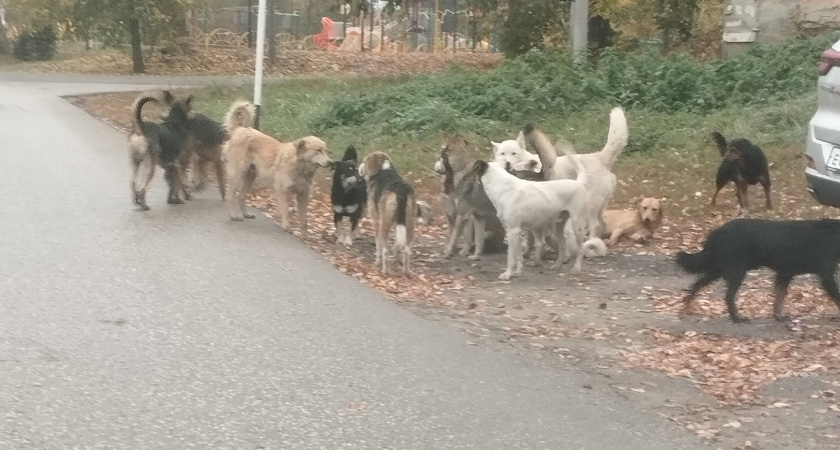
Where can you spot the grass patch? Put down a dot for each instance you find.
(290, 108)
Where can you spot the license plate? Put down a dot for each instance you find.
(833, 161)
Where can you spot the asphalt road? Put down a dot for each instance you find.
(177, 328)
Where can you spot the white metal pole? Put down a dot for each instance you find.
(580, 27)
(258, 70)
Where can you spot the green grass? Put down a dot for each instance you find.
(291, 107)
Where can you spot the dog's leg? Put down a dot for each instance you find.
(339, 234)
(354, 230)
(467, 236)
(539, 245)
(173, 178)
(695, 288)
(247, 185)
(461, 221)
(303, 211)
(733, 282)
(559, 230)
(579, 238)
(143, 171)
(384, 228)
(714, 197)
(765, 183)
(615, 236)
(281, 206)
(780, 290)
(220, 176)
(480, 236)
(829, 284)
(743, 199)
(514, 250)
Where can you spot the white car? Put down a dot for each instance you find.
(822, 152)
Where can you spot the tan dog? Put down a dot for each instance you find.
(638, 225)
(254, 160)
(391, 203)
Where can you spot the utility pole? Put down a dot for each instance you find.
(580, 27)
(258, 70)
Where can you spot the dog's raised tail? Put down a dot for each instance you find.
(137, 111)
(402, 192)
(692, 262)
(617, 137)
(720, 141)
(240, 115)
(539, 141)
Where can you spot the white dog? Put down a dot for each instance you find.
(536, 206)
(512, 155)
(601, 181)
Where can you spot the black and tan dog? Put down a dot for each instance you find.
(788, 247)
(744, 164)
(205, 140)
(349, 194)
(162, 144)
(470, 212)
(391, 203)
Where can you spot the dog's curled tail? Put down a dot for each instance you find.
(137, 111)
(240, 115)
(594, 247)
(617, 137)
(546, 152)
(692, 262)
(402, 191)
(720, 141)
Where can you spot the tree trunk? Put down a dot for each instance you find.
(136, 46)
(5, 48)
(372, 13)
(270, 33)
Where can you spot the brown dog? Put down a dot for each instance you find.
(391, 203)
(638, 225)
(254, 159)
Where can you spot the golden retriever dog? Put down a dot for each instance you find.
(638, 225)
(255, 160)
(391, 203)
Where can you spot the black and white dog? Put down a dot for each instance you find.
(349, 192)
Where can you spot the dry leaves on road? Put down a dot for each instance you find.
(734, 370)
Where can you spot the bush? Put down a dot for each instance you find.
(540, 84)
(37, 45)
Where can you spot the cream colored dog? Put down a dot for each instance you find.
(638, 225)
(602, 181)
(255, 160)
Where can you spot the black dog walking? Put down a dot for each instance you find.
(349, 193)
(788, 247)
(744, 164)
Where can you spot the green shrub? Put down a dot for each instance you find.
(540, 84)
(37, 45)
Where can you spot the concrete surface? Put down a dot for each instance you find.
(177, 328)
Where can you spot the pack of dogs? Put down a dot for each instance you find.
(529, 199)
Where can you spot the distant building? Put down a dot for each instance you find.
(762, 21)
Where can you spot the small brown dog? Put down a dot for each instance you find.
(254, 159)
(638, 225)
(391, 203)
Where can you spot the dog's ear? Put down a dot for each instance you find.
(300, 146)
(520, 139)
(495, 146)
(638, 200)
(350, 154)
(189, 101)
(167, 97)
(480, 168)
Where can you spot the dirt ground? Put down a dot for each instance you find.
(762, 385)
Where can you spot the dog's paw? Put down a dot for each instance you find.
(474, 257)
(464, 252)
(175, 201)
(740, 319)
(187, 196)
(143, 207)
(781, 317)
(200, 187)
(249, 216)
(236, 218)
(532, 263)
(505, 276)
